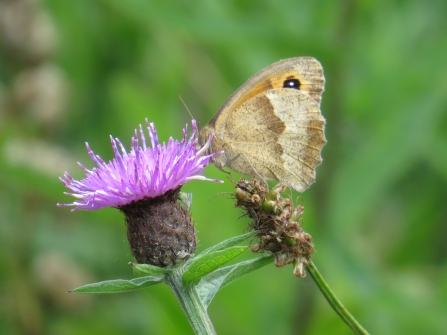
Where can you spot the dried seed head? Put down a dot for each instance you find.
(276, 219)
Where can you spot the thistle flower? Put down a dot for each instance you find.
(140, 174)
(144, 184)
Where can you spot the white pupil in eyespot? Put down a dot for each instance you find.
(292, 83)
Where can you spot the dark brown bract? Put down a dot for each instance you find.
(160, 231)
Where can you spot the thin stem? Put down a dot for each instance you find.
(333, 301)
(192, 305)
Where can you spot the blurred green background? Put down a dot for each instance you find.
(77, 71)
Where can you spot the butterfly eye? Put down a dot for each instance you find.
(291, 83)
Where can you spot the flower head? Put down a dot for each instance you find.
(142, 173)
(276, 220)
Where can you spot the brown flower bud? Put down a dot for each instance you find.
(160, 231)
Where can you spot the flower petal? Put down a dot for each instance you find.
(143, 172)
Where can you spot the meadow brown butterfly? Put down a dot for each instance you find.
(272, 125)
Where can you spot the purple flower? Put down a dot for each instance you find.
(140, 174)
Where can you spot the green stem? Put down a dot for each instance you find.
(333, 301)
(192, 305)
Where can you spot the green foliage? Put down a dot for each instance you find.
(214, 281)
(227, 243)
(205, 267)
(118, 285)
(209, 262)
(201, 265)
(147, 269)
(377, 211)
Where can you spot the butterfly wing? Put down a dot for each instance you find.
(272, 126)
(307, 70)
(285, 138)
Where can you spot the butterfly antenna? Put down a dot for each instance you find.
(186, 107)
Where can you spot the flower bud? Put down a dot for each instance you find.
(276, 192)
(268, 206)
(242, 196)
(159, 230)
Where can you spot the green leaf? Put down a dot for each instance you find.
(226, 244)
(147, 269)
(118, 285)
(209, 285)
(210, 262)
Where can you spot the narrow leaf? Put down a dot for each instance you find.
(209, 285)
(210, 262)
(118, 285)
(147, 269)
(227, 243)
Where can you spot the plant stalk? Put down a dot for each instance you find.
(333, 301)
(191, 304)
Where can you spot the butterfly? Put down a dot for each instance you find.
(272, 126)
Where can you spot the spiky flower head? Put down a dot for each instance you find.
(144, 184)
(142, 173)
